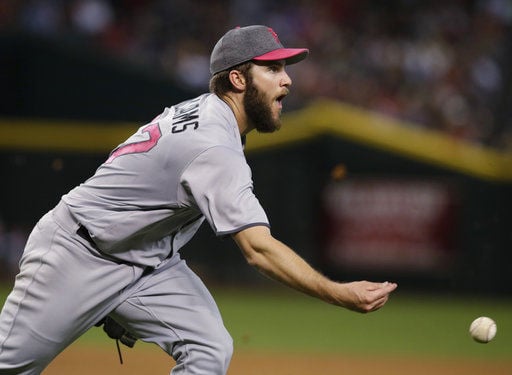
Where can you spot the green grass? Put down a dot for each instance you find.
(410, 325)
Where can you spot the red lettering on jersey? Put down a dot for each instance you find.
(138, 147)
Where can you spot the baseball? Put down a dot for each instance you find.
(483, 329)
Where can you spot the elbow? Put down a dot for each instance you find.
(256, 256)
(252, 257)
(252, 262)
(255, 244)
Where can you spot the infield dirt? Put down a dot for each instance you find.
(85, 360)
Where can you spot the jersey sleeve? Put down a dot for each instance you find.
(220, 183)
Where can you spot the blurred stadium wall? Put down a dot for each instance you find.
(357, 194)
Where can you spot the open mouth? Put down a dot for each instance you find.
(279, 100)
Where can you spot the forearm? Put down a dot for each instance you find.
(281, 263)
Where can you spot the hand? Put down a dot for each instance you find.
(365, 296)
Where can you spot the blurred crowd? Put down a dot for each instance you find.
(12, 242)
(439, 65)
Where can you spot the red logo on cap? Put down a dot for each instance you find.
(274, 34)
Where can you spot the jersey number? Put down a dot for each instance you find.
(138, 147)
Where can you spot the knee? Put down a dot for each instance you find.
(212, 357)
(17, 362)
(225, 350)
(217, 354)
(22, 353)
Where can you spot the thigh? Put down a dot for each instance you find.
(170, 307)
(62, 289)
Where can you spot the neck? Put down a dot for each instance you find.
(235, 102)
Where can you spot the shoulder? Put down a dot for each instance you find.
(205, 116)
(217, 111)
(208, 106)
(221, 157)
(218, 125)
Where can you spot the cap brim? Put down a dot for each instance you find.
(290, 55)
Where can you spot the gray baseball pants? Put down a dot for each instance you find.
(65, 286)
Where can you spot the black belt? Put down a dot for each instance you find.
(84, 233)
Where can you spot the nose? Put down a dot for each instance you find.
(286, 81)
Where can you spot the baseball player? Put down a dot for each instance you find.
(111, 247)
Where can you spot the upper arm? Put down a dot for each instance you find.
(220, 182)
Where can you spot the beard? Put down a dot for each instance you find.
(259, 112)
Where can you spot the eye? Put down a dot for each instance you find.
(275, 67)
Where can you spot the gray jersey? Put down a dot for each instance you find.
(154, 191)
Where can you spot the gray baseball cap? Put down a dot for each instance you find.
(255, 42)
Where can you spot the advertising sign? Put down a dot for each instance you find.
(390, 224)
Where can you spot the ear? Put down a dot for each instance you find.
(237, 79)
